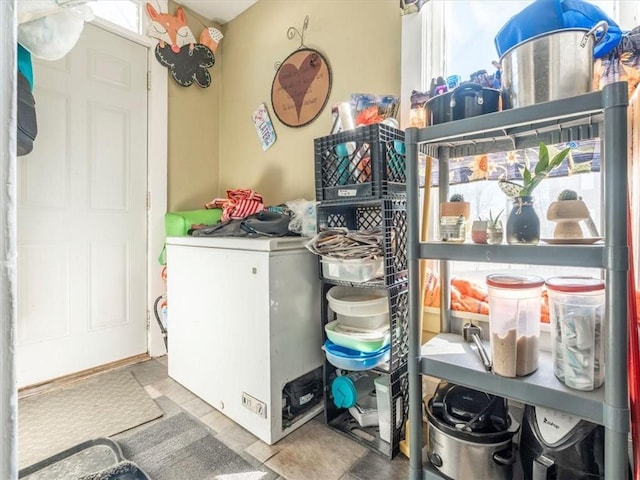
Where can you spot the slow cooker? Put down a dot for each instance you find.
(470, 434)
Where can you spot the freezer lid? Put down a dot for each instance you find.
(267, 244)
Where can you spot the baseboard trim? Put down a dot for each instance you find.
(60, 382)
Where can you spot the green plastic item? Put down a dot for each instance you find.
(177, 224)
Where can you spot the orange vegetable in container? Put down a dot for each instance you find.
(456, 295)
(470, 289)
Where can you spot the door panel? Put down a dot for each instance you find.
(108, 162)
(46, 298)
(44, 182)
(82, 212)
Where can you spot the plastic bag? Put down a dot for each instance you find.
(28, 10)
(621, 64)
(53, 36)
(303, 217)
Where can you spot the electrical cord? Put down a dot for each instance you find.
(159, 320)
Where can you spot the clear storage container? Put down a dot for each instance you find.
(576, 308)
(514, 323)
(352, 270)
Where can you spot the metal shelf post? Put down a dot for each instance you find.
(616, 410)
(413, 266)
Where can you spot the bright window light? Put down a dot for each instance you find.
(125, 13)
(471, 26)
(467, 43)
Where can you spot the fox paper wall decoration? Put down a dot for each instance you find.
(178, 50)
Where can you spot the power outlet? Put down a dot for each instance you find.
(254, 405)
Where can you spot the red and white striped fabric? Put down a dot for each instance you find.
(239, 204)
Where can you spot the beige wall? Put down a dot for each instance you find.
(360, 40)
(213, 145)
(193, 137)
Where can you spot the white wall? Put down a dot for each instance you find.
(8, 239)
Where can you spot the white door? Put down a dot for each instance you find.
(82, 212)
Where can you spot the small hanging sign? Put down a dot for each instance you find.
(264, 127)
(302, 84)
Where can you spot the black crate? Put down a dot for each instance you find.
(341, 420)
(367, 162)
(390, 213)
(398, 323)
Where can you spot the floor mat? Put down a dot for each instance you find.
(88, 457)
(99, 459)
(181, 447)
(102, 406)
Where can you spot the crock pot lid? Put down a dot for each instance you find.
(575, 284)
(474, 437)
(514, 281)
(344, 392)
(477, 411)
(463, 404)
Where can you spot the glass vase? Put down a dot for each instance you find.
(523, 224)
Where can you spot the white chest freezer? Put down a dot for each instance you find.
(243, 321)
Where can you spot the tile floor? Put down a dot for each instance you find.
(312, 452)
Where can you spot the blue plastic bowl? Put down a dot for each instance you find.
(348, 359)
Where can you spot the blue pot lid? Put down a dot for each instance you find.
(344, 392)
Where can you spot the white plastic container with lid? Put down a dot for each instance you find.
(348, 387)
(576, 308)
(352, 270)
(514, 323)
(356, 391)
(368, 322)
(383, 397)
(358, 302)
(365, 411)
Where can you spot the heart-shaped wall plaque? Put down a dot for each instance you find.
(301, 87)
